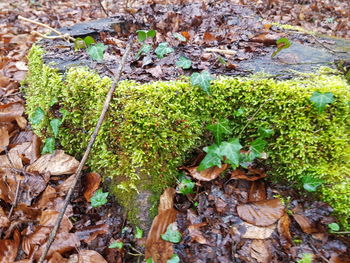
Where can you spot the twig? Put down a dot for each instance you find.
(87, 151)
(318, 252)
(103, 8)
(341, 233)
(14, 204)
(64, 36)
(223, 51)
(325, 46)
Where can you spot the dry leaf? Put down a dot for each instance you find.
(92, 182)
(306, 225)
(283, 228)
(261, 251)
(261, 213)
(36, 238)
(89, 233)
(257, 191)
(22, 122)
(251, 175)
(254, 232)
(9, 112)
(57, 163)
(57, 258)
(207, 174)
(90, 256)
(4, 138)
(9, 248)
(196, 234)
(49, 217)
(208, 37)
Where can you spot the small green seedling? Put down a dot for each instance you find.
(310, 183)
(333, 227)
(55, 126)
(306, 258)
(139, 233)
(282, 43)
(116, 244)
(145, 48)
(149, 260)
(99, 198)
(142, 35)
(185, 186)
(80, 43)
(172, 234)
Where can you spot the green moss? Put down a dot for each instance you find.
(151, 128)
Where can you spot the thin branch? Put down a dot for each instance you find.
(14, 204)
(318, 252)
(87, 151)
(222, 51)
(103, 8)
(65, 36)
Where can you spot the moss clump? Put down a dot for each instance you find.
(150, 128)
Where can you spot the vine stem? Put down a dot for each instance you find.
(87, 151)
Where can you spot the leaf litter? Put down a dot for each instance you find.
(221, 221)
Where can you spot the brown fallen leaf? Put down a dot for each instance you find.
(254, 232)
(196, 234)
(34, 239)
(22, 122)
(207, 174)
(208, 37)
(306, 225)
(257, 191)
(261, 213)
(251, 175)
(89, 233)
(57, 258)
(339, 258)
(283, 228)
(48, 218)
(9, 248)
(90, 256)
(4, 221)
(4, 138)
(261, 250)
(57, 163)
(186, 35)
(157, 248)
(9, 112)
(92, 182)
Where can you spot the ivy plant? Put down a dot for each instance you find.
(99, 198)
(202, 80)
(96, 52)
(321, 100)
(172, 234)
(163, 50)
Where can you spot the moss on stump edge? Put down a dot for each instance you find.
(152, 128)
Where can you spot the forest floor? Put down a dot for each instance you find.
(33, 187)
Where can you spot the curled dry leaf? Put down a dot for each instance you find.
(251, 175)
(207, 174)
(9, 112)
(261, 250)
(48, 219)
(8, 184)
(4, 138)
(90, 256)
(11, 160)
(250, 231)
(336, 258)
(64, 242)
(57, 258)
(306, 225)
(4, 221)
(257, 191)
(92, 182)
(157, 248)
(9, 248)
(22, 122)
(57, 163)
(89, 233)
(196, 234)
(36, 238)
(261, 213)
(284, 231)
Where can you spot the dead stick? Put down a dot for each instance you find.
(87, 151)
(14, 204)
(318, 252)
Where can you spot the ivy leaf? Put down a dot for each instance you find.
(239, 112)
(116, 244)
(186, 186)
(320, 100)
(139, 233)
(38, 116)
(265, 132)
(174, 259)
(79, 43)
(141, 35)
(55, 125)
(99, 198)
(231, 150)
(257, 148)
(334, 227)
(143, 50)
(163, 49)
(172, 234)
(282, 43)
(219, 129)
(310, 183)
(180, 37)
(89, 40)
(96, 52)
(183, 62)
(211, 159)
(49, 146)
(202, 80)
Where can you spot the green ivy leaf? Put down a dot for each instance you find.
(282, 43)
(172, 234)
(174, 259)
(183, 62)
(55, 125)
(49, 146)
(256, 148)
(320, 100)
(99, 198)
(141, 35)
(79, 43)
(231, 150)
(265, 132)
(310, 183)
(202, 80)
(149, 260)
(179, 37)
(89, 40)
(139, 233)
(96, 52)
(211, 159)
(334, 227)
(163, 49)
(219, 129)
(145, 48)
(186, 186)
(239, 112)
(38, 116)
(116, 244)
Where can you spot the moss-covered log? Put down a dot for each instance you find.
(151, 128)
